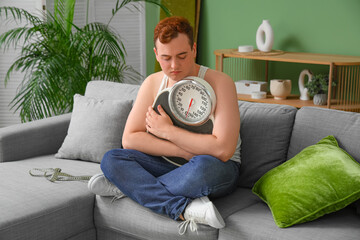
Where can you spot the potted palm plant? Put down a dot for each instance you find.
(59, 58)
(318, 88)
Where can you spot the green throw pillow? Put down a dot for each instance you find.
(321, 179)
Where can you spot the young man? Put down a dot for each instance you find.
(139, 172)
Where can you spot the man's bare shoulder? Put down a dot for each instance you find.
(218, 79)
(154, 79)
(152, 83)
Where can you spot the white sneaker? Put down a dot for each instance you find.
(203, 211)
(100, 185)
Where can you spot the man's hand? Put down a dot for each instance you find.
(158, 124)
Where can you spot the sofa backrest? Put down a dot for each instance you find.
(312, 124)
(111, 90)
(265, 129)
(265, 133)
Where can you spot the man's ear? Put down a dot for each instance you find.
(156, 54)
(194, 49)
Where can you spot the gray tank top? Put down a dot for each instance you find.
(201, 74)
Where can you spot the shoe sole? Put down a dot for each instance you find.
(221, 222)
(91, 183)
(93, 179)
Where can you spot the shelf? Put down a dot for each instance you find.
(294, 57)
(292, 100)
(346, 107)
(344, 70)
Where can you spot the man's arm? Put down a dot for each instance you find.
(222, 142)
(135, 134)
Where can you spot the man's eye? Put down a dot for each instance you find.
(166, 59)
(182, 56)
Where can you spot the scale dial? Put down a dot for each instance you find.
(192, 101)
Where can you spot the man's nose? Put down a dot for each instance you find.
(174, 63)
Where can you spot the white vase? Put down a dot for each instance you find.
(304, 94)
(320, 99)
(280, 89)
(265, 31)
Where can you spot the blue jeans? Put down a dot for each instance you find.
(163, 187)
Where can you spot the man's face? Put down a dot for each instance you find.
(176, 58)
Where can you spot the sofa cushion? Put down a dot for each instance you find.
(137, 222)
(312, 124)
(125, 219)
(265, 133)
(256, 222)
(96, 127)
(321, 179)
(35, 208)
(241, 198)
(128, 218)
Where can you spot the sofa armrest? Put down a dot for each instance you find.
(33, 139)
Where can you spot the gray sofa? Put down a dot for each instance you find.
(34, 208)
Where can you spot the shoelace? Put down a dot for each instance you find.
(117, 197)
(187, 223)
(53, 175)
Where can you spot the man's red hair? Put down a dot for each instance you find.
(169, 28)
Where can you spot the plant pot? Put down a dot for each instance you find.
(280, 89)
(320, 99)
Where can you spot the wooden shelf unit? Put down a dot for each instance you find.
(345, 70)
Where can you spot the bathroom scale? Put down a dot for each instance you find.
(190, 104)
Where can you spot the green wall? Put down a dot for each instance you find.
(318, 26)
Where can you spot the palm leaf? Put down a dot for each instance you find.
(19, 15)
(58, 58)
(64, 13)
(130, 3)
(105, 40)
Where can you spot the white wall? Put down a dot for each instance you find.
(7, 116)
(129, 23)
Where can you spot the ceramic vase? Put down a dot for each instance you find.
(304, 94)
(280, 89)
(265, 31)
(320, 99)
